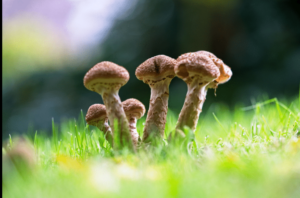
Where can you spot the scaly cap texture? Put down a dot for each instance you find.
(105, 73)
(134, 107)
(196, 65)
(156, 68)
(95, 113)
(225, 71)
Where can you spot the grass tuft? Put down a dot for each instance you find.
(248, 152)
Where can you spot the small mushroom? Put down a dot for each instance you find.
(106, 78)
(200, 70)
(134, 110)
(96, 116)
(22, 155)
(157, 72)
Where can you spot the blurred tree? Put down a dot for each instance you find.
(27, 42)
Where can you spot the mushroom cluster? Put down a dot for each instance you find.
(200, 70)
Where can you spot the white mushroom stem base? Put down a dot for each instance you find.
(157, 113)
(103, 126)
(192, 107)
(133, 132)
(115, 112)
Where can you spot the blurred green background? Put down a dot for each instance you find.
(48, 46)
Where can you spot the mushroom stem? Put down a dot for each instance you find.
(156, 117)
(103, 126)
(133, 132)
(134, 110)
(193, 103)
(115, 111)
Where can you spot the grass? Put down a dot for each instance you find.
(245, 152)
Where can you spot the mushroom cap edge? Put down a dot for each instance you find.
(96, 112)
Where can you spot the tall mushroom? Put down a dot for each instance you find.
(96, 116)
(200, 70)
(134, 110)
(157, 72)
(106, 78)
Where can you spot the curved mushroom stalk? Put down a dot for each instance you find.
(158, 109)
(105, 128)
(200, 70)
(193, 103)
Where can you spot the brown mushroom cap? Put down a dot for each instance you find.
(24, 151)
(225, 71)
(105, 73)
(133, 107)
(95, 113)
(196, 65)
(156, 68)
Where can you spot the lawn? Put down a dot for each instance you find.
(241, 152)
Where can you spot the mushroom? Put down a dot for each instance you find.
(96, 116)
(106, 78)
(22, 155)
(134, 110)
(200, 70)
(157, 72)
